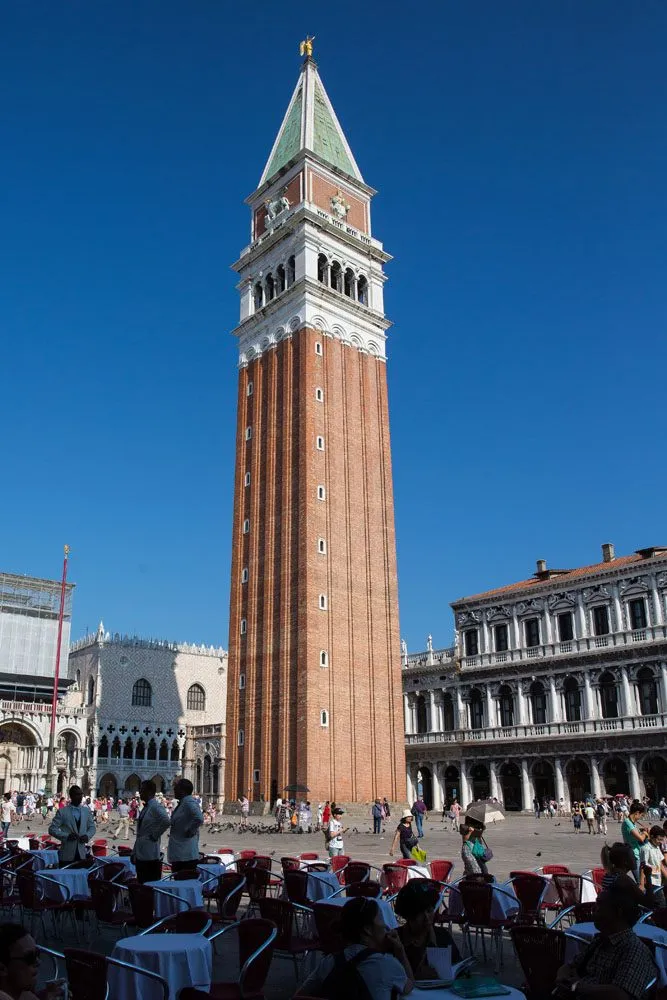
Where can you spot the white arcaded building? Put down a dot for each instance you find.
(154, 709)
(556, 686)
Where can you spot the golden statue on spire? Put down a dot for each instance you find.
(306, 46)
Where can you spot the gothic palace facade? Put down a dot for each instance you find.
(556, 686)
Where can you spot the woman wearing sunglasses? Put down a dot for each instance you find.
(19, 963)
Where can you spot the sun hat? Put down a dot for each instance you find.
(406, 814)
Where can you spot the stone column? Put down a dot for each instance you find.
(548, 629)
(580, 617)
(462, 721)
(618, 610)
(589, 699)
(411, 784)
(490, 709)
(628, 707)
(464, 797)
(515, 640)
(413, 712)
(438, 793)
(521, 704)
(485, 637)
(658, 617)
(560, 788)
(634, 777)
(526, 787)
(433, 713)
(595, 777)
(663, 686)
(494, 779)
(554, 699)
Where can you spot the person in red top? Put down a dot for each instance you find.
(326, 814)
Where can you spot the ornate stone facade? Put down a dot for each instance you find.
(556, 686)
(141, 698)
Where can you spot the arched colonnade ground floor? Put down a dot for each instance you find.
(517, 780)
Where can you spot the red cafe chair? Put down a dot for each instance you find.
(256, 939)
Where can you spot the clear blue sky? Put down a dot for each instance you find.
(520, 153)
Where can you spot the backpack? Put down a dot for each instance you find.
(345, 980)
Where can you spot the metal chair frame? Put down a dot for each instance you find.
(251, 958)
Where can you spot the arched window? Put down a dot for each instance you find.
(336, 276)
(280, 279)
(152, 750)
(506, 706)
(103, 748)
(538, 701)
(648, 693)
(164, 750)
(127, 749)
(476, 709)
(91, 690)
(140, 752)
(270, 287)
(362, 291)
(572, 700)
(142, 693)
(608, 696)
(175, 752)
(291, 270)
(349, 288)
(258, 295)
(196, 698)
(323, 269)
(115, 749)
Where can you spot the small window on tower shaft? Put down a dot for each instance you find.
(318, 348)
(324, 717)
(244, 575)
(324, 660)
(319, 395)
(248, 433)
(323, 602)
(320, 443)
(246, 526)
(244, 626)
(241, 682)
(249, 389)
(255, 776)
(241, 738)
(321, 546)
(321, 493)
(246, 479)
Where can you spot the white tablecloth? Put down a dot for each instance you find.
(181, 959)
(22, 842)
(228, 860)
(503, 903)
(321, 885)
(647, 932)
(76, 880)
(387, 911)
(210, 875)
(189, 890)
(446, 994)
(304, 864)
(418, 871)
(588, 892)
(47, 858)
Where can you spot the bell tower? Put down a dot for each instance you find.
(314, 694)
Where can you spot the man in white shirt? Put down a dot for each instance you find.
(186, 819)
(123, 819)
(335, 833)
(651, 857)
(152, 822)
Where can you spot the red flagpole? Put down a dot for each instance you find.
(48, 787)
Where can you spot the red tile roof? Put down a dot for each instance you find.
(560, 576)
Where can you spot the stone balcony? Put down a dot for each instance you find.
(122, 765)
(586, 727)
(588, 644)
(37, 708)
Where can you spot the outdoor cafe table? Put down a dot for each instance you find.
(181, 959)
(56, 881)
(504, 903)
(116, 859)
(385, 908)
(46, 858)
(189, 890)
(321, 885)
(210, 874)
(228, 860)
(647, 932)
(588, 891)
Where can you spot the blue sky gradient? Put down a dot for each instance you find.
(520, 154)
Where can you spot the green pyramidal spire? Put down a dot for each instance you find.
(310, 123)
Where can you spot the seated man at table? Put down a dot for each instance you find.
(186, 819)
(152, 822)
(416, 903)
(616, 965)
(73, 826)
(373, 961)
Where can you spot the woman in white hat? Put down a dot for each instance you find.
(404, 836)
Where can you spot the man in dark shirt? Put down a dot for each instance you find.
(616, 965)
